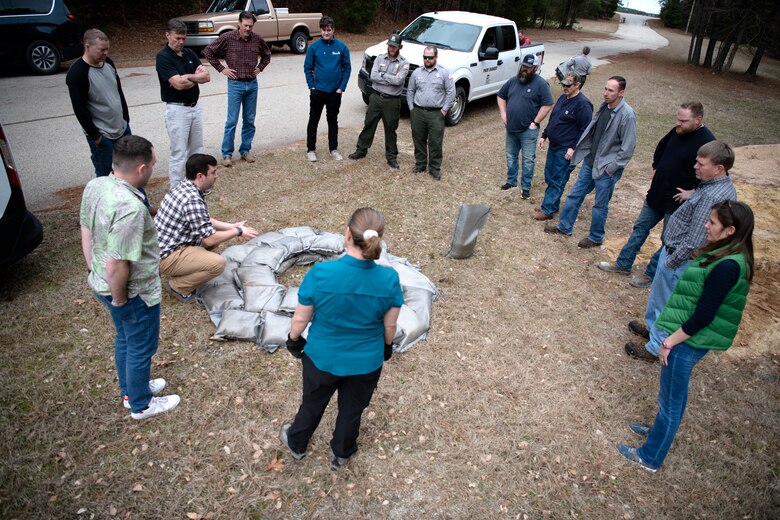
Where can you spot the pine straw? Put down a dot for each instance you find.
(510, 409)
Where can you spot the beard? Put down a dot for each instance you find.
(525, 77)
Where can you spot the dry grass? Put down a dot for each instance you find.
(510, 409)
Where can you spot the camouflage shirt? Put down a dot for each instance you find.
(121, 229)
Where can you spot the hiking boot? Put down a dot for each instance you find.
(639, 328)
(155, 386)
(248, 158)
(540, 215)
(632, 455)
(525, 194)
(311, 155)
(157, 406)
(611, 267)
(418, 170)
(436, 176)
(508, 186)
(227, 162)
(337, 463)
(394, 164)
(639, 429)
(186, 298)
(587, 243)
(641, 282)
(640, 352)
(553, 230)
(356, 155)
(283, 439)
(336, 155)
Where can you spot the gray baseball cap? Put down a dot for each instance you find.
(394, 40)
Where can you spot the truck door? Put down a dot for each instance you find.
(266, 20)
(508, 53)
(488, 68)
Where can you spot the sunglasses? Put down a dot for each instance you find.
(429, 57)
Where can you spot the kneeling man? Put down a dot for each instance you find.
(185, 231)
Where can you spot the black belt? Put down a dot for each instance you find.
(428, 109)
(387, 96)
(245, 79)
(669, 250)
(183, 104)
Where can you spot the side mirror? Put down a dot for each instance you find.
(491, 53)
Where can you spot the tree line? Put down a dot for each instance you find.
(726, 27)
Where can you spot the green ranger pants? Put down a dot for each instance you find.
(428, 136)
(389, 111)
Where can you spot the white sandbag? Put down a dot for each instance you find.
(265, 238)
(290, 301)
(255, 275)
(327, 243)
(300, 231)
(240, 325)
(411, 329)
(258, 298)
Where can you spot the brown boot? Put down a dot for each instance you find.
(639, 352)
(540, 215)
(639, 328)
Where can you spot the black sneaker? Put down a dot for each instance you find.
(356, 155)
(587, 243)
(553, 230)
(418, 170)
(394, 165)
(283, 440)
(525, 194)
(508, 186)
(436, 176)
(337, 463)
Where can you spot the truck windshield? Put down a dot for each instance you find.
(220, 6)
(443, 34)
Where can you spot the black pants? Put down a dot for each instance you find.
(318, 100)
(318, 387)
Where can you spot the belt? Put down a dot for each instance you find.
(669, 250)
(245, 79)
(183, 104)
(428, 109)
(386, 96)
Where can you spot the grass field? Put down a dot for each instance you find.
(511, 408)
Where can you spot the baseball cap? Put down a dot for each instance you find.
(529, 60)
(571, 79)
(394, 40)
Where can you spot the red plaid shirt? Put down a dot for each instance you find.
(239, 54)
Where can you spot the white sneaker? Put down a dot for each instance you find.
(311, 156)
(157, 406)
(155, 386)
(336, 155)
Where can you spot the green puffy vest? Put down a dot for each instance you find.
(719, 334)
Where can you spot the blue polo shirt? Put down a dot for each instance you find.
(523, 101)
(350, 298)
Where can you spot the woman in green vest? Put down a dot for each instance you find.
(702, 314)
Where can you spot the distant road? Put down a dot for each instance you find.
(50, 149)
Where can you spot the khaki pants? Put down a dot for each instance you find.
(190, 267)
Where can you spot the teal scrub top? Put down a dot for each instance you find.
(350, 298)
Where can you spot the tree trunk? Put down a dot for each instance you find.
(753, 69)
(712, 23)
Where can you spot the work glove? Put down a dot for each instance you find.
(296, 346)
(388, 351)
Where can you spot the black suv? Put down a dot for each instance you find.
(38, 33)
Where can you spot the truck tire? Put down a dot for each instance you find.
(458, 107)
(43, 58)
(299, 42)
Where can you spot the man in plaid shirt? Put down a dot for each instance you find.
(246, 55)
(185, 231)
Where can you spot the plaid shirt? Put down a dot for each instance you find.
(182, 219)
(239, 54)
(685, 231)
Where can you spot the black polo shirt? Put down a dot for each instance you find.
(170, 64)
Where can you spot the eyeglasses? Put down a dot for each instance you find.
(429, 57)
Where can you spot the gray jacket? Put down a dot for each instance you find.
(617, 144)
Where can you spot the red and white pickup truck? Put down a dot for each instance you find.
(276, 26)
(480, 51)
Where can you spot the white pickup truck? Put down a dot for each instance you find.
(480, 51)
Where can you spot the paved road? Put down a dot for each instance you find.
(50, 148)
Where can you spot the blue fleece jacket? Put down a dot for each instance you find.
(327, 66)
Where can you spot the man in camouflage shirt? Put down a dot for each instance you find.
(119, 243)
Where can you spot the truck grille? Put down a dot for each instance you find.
(192, 27)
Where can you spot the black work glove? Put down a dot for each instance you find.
(388, 351)
(295, 346)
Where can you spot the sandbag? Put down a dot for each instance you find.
(237, 253)
(275, 330)
(220, 297)
(240, 325)
(258, 298)
(255, 275)
(470, 220)
(226, 278)
(289, 301)
(266, 255)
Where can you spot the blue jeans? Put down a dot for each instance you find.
(137, 333)
(242, 95)
(585, 183)
(647, 220)
(521, 142)
(663, 284)
(557, 170)
(672, 399)
(102, 154)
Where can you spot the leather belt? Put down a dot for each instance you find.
(183, 104)
(387, 96)
(428, 109)
(245, 79)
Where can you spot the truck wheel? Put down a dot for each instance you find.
(42, 57)
(299, 42)
(458, 107)
(365, 99)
